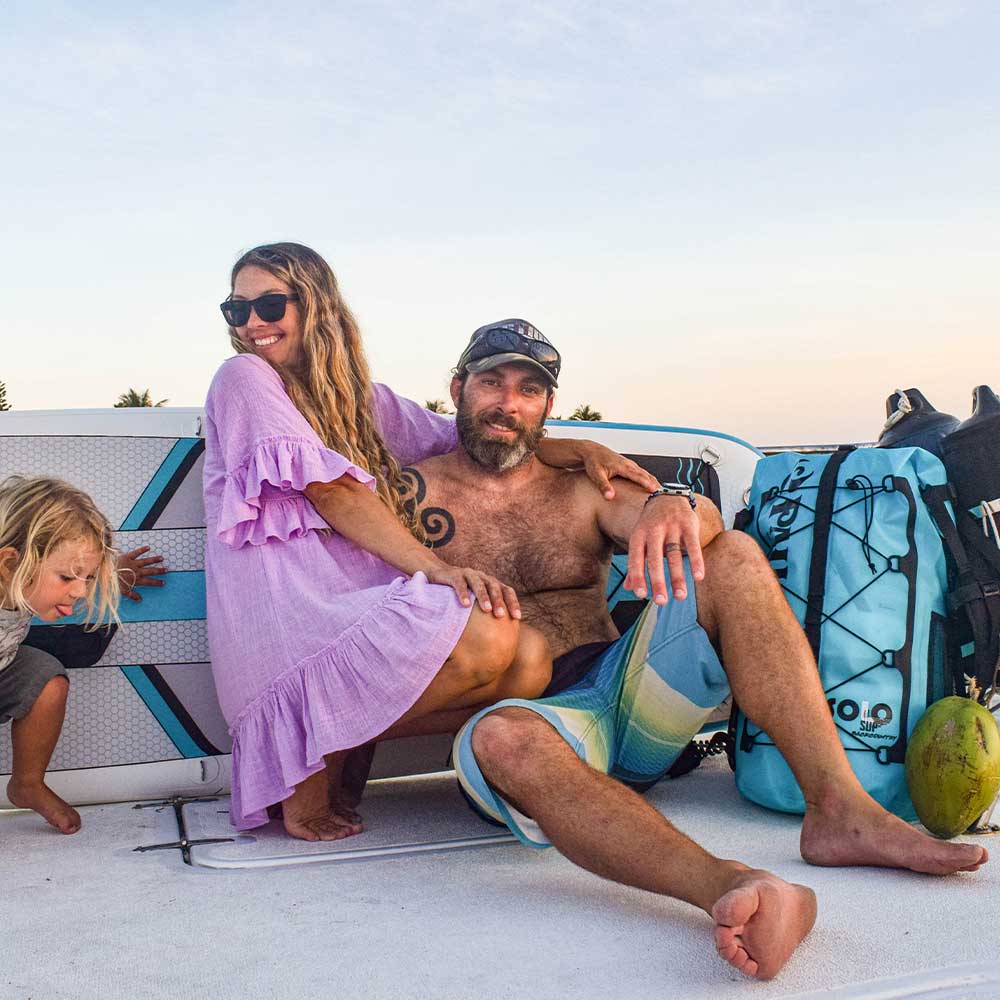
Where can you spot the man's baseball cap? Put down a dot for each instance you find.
(506, 341)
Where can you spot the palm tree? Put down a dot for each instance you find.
(436, 406)
(4, 405)
(133, 398)
(584, 412)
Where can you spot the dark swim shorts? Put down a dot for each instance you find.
(22, 680)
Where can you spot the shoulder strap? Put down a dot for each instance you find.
(936, 497)
(821, 546)
(976, 595)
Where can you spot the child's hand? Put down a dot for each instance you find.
(135, 572)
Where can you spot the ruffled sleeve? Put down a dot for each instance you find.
(269, 454)
(411, 431)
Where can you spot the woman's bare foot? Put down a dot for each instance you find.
(760, 921)
(46, 803)
(309, 815)
(863, 833)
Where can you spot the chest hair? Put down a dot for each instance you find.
(534, 538)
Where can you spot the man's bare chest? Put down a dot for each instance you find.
(536, 539)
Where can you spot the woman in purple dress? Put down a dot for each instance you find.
(330, 624)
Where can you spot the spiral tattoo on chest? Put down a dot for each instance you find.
(438, 522)
(439, 525)
(412, 490)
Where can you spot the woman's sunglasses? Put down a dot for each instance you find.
(270, 308)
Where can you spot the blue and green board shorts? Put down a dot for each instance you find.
(644, 699)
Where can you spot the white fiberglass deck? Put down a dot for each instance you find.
(86, 917)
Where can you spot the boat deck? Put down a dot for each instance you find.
(87, 916)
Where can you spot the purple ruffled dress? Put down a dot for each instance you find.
(316, 644)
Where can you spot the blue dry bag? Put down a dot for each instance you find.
(861, 563)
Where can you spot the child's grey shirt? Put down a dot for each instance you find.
(13, 628)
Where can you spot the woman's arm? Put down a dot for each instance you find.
(352, 510)
(411, 431)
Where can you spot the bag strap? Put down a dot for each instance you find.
(983, 604)
(935, 498)
(978, 598)
(984, 547)
(819, 556)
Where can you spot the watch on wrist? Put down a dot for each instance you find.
(674, 490)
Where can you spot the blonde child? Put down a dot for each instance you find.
(55, 551)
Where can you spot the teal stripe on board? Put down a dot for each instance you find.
(181, 599)
(162, 712)
(156, 485)
(658, 427)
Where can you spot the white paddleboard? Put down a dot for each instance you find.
(143, 720)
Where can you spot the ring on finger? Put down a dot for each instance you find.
(672, 547)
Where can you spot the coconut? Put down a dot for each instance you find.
(953, 765)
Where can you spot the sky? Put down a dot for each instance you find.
(755, 217)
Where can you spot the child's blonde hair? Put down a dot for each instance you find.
(36, 515)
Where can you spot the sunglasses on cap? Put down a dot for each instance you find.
(500, 340)
(269, 308)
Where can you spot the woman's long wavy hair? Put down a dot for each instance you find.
(332, 388)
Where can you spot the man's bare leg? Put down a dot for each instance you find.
(608, 829)
(509, 660)
(774, 679)
(527, 677)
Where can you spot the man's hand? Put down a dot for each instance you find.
(134, 571)
(601, 464)
(667, 528)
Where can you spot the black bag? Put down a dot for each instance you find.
(913, 422)
(971, 456)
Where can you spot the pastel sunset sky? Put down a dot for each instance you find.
(755, 217)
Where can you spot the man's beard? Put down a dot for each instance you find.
(496, 455)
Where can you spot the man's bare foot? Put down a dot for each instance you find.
(340, 772)
(357, 765)
(863, 833)
(343, 805)
(309, 815)
(760, 921)
(46, 803)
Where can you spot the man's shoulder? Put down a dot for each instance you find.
(434, 468)
(427, 479)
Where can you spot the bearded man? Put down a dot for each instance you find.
(624, 707)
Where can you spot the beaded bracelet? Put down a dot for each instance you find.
(671, 490)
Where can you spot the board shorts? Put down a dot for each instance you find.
(644, 699)
(22, 680)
